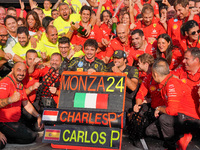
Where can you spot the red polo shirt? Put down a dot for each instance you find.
(177, 58)
(153, 30)
(95, 33)
(148, 49)
(116, 44)
(109, 6)
(11, 112)
(150, 86)
(174, 26)
(185, 44)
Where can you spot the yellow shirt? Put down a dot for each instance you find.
(63, 26)
(76, 4)
(49, 47)
(21, 51)
(47, 13)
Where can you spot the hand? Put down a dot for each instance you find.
(132, 26)
(115, 69)
(102, 2)
(14, 98)
(43, 55)
(39, 121)
(34, 42)
(114, 20)
(3, 139)
(21, 5)
(53, 90)
(88, 30)
(156, 113)
(35, 5)
(36, 85)
(90, 71)
(165, 2)
(71, 53)
(151, 40)
(105, 42)
(163, 19)
(77, 48)
(75, 27)
(39, 34)
(153, 3)
(136, 108)
(110, 22)
(194, 11)
(8, 56)
(36, 61)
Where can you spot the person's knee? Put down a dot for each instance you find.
(31, 138)
(165, 119)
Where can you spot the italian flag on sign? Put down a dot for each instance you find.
(91, 100)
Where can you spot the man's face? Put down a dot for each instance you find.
(137, 40)
(126, 19)
(64, 49)
(85, 16)
(198, 6)
(147, 17)
(30, 58)
(12, 13)
(122, 33)
(55, 61)
(191, 4)
(181, 11)
(55, 14)
(119, 62)
(2, 16)
(90, 52)
(19, 72)
(64, 12)
(23, 39)
(189, 61)
(31, 21)
(3, 36)
(11, 25)
(142, 66)
(47, 5)
(52, 35)
(106, 17)
(113, 1)
(171, 12)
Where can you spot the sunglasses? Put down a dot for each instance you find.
(194, 32)
(3, 36)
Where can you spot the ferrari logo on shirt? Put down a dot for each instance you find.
(154, 25)
(175, 26)
(199, 41)
(30, 78)
(183, 80)
(137, 55)
(152, 88)
(80, 69)
(95, 66)
(108, 8)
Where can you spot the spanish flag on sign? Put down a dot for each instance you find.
(52, 134)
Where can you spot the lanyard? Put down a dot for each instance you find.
(165, 83)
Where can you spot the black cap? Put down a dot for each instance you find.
(119, 54)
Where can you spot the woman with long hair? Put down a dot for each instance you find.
(167, 50)
(33, 21)
(190, 30)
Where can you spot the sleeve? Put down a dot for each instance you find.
(133, 73)
(169, 27)
(174, 97)
(24, 98)
(196, 18)
(39, 72)
(99, 34)
(143, 89)
(156, 9)
(162, 30)
(4, 90)
(109, 50)
(73, 39)
(72, 64)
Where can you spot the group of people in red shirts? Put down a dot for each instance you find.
(157, 46)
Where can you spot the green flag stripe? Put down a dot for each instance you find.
(79, 100)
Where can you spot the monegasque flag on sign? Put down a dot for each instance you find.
(50, 115)
(52, 134)
(91, 100)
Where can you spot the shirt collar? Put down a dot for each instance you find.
(164, 82)
(90, 60)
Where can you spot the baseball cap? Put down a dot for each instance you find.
(119, 54)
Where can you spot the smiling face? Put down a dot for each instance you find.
(30, 57)
(31, 21)
(147, 17)
(181, 11)
(19, 72)
(23, 39)
(64, 12)
(90, 52)
(64, 49)
(11, 25)
(85, 16)
(119, 62)
(193, 33)
(52, 35)
(47, 5)
(2, 16)
(163, 45)
(55, 61)
(106, 17)
(137, 40)
(122, 33)
(189, 61)
(126, 19)
(3, 36)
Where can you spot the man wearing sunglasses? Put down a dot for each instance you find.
(12, 97)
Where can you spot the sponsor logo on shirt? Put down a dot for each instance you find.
(175, 26)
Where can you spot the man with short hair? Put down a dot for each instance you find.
(62, 23)
(24, 44)
(119, 65)
(149, 24)
(123, 42)
(47, 7)
(54, 13)
(140, 45)
(183, 15)
(2, 15)
(13, 96)
(88, 62)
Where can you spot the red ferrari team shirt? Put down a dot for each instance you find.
(116, 44)
(151, 31)
(150, 87)
(185, 44)
(174, 26)
(95, 33)
(11, 112)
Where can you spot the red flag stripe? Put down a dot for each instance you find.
(49, 112)
(51, 130)
(102, 101)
